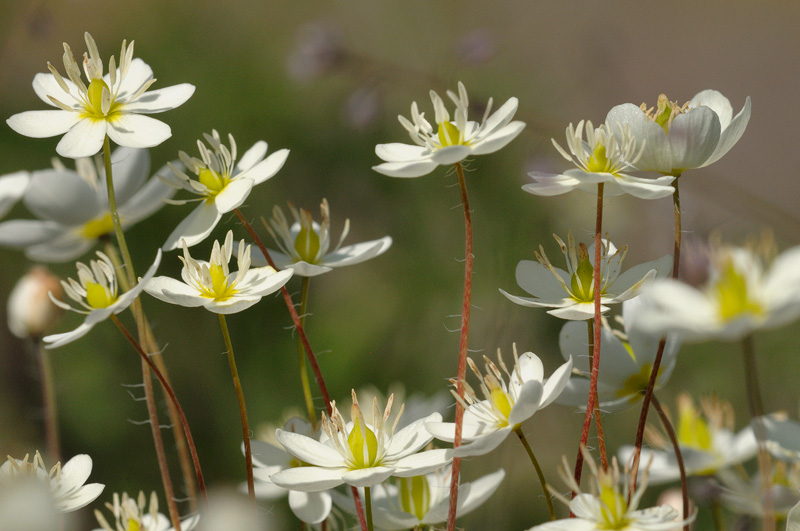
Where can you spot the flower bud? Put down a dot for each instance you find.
(30, 311)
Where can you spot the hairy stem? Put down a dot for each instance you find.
(301, 356)
(463, 345)
(539, 473)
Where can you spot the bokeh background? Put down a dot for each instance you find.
(327, 80)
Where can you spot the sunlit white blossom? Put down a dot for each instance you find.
(571, 292)
(112, 104)
(453, 141)
(12, 188)
(222, 182)
(133, 515)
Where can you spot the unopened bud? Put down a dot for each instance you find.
(30, 311)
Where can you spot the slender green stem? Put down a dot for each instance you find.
(678, 456)
(539, 473)
(188, 468)
(717, 516)
(170, 392)
(757, 416)
(48, 400)
(595, 363)
(463, 344)
(651, 384)
(368, 507)
(301, 356)
(237, 384)
(136, 307)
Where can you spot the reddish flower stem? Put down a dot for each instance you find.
(312, 359)
(651, 384)
(463, 345)
(678, 456)
(173, 398)
(591, 404)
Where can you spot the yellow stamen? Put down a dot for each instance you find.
(97, 227)
(307, 244)
(614, 508)
(693, 430)
(449, 135)
(731, 290)
(363, 444)
(133, 525)
(98, 296)
(213, 181)
(501, 402)
(220, 289)
(598, 162)
(582, 282)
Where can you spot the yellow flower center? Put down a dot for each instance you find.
(98, 296)
(613, 508)
(731, 291)
(598, 162)
(693, 431)
(95, 96)
(635, 384)
(133, 525)
(98, 227)
(363, 444)
(220, 289)
(213, 181)
(449, 134)
(307, 244)
(415, 496)
(501, 402)
(582, 281)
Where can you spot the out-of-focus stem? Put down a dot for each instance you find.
(678, 457)
(539, 472)
(463, 345)
(301, 356)
(48, 401)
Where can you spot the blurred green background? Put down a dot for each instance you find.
(261, 73)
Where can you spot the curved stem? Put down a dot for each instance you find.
(678, 457)
(595, 363)
(48, 401)
(539, 473)
(463, 345)
(301, 356)
(173, 398)
(237, 384)
(368, 505)
(136, 308)
(756, 416)
(651, 384)
(312, 359)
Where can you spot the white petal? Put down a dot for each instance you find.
(422, 463)
(631, 277)
(482, 445)
(367, 477)
(83, 497)
(411, 438)
(76, 471)
(43, 124)
(195, 228)
(59, 340)
(501, 117)
(731, 134)
(63, 196)
(529, 367)
(304, 269)
(416, 168)
(499, 139)
(357, 253)
(84, 139)
(174, 291)
(556, 383)
(233, 195)
(251, 157)
(310, 507)
(266, 283)
(715, 101)
(130, 168)
(12, 188)
(309, 450)
(19, 233)
(397, 152)
(530, 395)
(577, 312)
(693, 137)
(63, 248)
(148, 200)
(471, 495)
(547, 184)
(235, 304)
(137, 131)
(308, 478)
(267, 168)
(645, 188)
(138, 74)
(161, 100)
(45, 85)
(657, 155)
(539, 281)
(450, 155)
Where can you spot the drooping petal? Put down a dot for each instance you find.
(645, 188)
(397, 152)
(84, 139)
(59, 340)
(357, 253)
(165, 99)
(137, 131)
(482, 445)
(548, 184)
(44, 124)
(195, 228)
(309, 450)
(235, 304)
(310, 507)
(309, 478)
(415, 168)
(577, 312)
(61, 196)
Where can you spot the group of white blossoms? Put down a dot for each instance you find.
(742, 293)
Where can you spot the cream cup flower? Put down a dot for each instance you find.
(133, 515)
(505, 406)
(222, 183)
(96, 291)
(453, 141)
(213, 286)
(358, 453)
(305, 247)
(606, 507)
(269, 459)
(72, 206)
(12, 188)
(112, 104)
(708, 442)
(604, 157)
(677, 138)
(67, 483)
(420, 501)
(741, 295)
(571, 292)
(625, 365)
